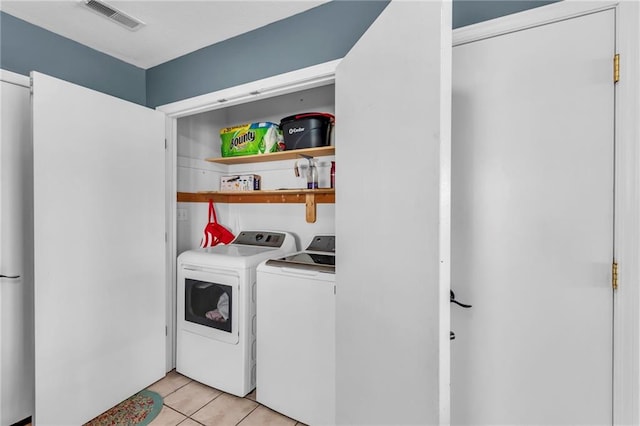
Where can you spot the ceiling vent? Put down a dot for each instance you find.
(113, 14)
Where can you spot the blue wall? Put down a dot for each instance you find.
(321, 34)
(25, 47)
(318, 35)
(467, 12)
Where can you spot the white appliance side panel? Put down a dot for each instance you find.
(16, 255)
(99, 250)
(392, 94)
(532, 225)
(296, 344)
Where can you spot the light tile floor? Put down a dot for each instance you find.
(189, 403)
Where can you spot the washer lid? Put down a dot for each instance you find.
(309, 258)
(311, 261)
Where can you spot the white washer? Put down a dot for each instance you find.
(296, 333)
(216, 324)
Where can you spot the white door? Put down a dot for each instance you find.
(99, 250)
(532, 225)
(16, 259)
(392, 148)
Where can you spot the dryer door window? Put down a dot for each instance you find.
(209, 304)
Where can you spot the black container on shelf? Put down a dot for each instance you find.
(307, 130)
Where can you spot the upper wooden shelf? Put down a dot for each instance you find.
(275, 156)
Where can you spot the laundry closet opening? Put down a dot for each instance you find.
(198, 138)
(194, 145)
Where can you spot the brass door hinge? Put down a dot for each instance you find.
(614, 275)
(616, 68)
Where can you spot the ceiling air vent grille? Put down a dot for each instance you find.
(114, 14)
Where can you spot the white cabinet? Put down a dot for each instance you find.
(198, 140)
(99, 249)
(82, 226)
(16, 258)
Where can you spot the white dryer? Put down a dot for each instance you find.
(296, 333)
(216, 309)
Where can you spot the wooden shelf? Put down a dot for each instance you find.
(275, 156)
(310, 197)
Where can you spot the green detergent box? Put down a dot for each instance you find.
(250, 139)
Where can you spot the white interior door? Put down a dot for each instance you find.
(532, 225)
(99, 250)
(16, 253)
(392, 149)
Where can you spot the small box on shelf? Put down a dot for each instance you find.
(240, 183)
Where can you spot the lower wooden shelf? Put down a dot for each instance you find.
(310, 197)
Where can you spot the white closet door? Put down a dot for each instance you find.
(99, 250)
(532, 225)
(392, 150)
(16, 258)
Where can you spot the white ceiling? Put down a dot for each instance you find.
(173, 28)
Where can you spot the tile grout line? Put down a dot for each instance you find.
(204, 405)
(193, 420)
(223, 393)
(249, 413)
(176, 389)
